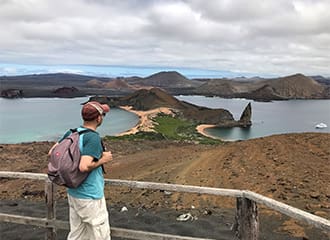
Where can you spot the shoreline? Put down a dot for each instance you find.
(201, 129)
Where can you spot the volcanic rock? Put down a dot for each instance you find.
(245, 119)
(12, 93)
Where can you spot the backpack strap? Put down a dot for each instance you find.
(73, 130)
(103, 146)
(89, 130)
(80, 132)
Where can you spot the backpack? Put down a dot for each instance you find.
(63, 165)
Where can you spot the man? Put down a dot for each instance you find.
(88, 212)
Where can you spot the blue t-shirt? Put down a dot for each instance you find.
(93, 187)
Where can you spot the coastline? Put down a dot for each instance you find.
(201, 129)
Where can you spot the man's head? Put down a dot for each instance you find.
(93, 110)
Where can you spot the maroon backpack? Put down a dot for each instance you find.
(63, 165)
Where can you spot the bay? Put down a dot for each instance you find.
(268, 118)
(46, 119)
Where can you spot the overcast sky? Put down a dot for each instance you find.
(276, 37)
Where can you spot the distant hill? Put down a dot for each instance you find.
(264, 93)
(149, 99)
(94, 83)
(217, 87)
(118, 84)
(295, 86)
(321, 80)
(171, 79)
(55, 85)
(53, 79)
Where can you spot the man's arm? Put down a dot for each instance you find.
(87, 163)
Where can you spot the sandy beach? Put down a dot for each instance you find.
(145, 123)
(201, 129)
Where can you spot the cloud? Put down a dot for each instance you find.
(8, 70)
(275, 37)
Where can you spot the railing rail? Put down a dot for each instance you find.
(247, 223)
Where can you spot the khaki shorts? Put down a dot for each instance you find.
(89, 219)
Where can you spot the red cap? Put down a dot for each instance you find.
(92, 110)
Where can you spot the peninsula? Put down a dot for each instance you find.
(148, 103)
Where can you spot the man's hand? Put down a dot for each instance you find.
(106, 157)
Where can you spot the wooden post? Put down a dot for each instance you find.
(50, 194)
(246, 220)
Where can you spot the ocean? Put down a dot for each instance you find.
(268, 118)
(46, 119)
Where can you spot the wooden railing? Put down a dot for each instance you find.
(246, 219)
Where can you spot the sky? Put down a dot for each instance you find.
(215, 37)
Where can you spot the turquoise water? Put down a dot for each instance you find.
(268, 118)
(46, 119)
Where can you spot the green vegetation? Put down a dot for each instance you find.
(138, 136)
(171, 128)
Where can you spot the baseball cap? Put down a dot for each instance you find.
(93, 109)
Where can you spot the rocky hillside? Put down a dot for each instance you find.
(217, 87)
(321, 80)
(264, 93)
(296, 86)
(290, 168)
